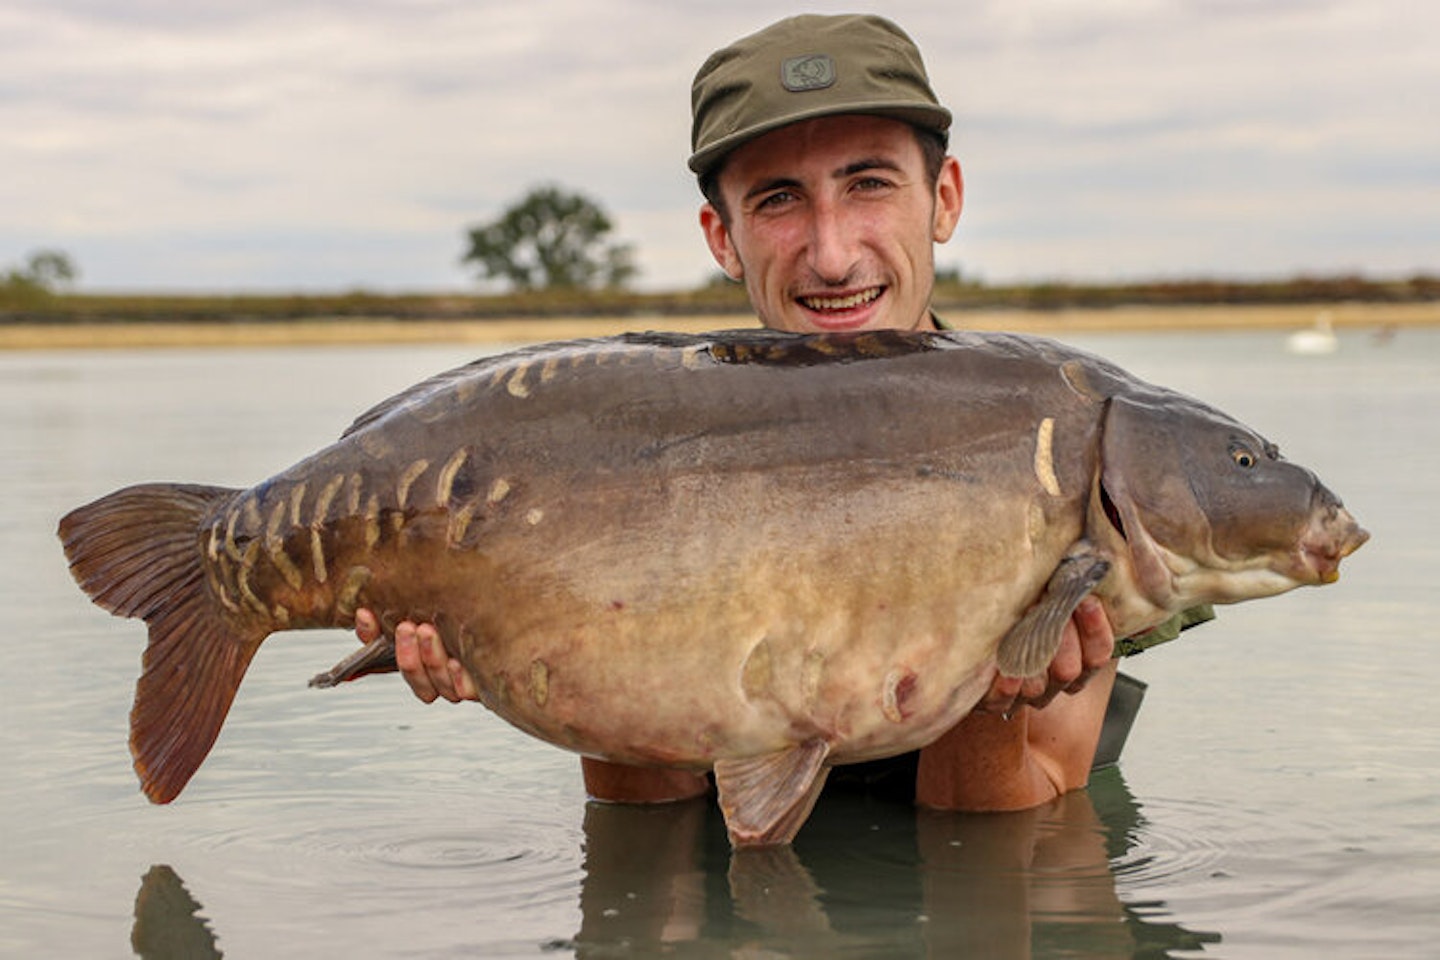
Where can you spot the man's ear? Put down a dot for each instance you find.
(949, 199)
(717, 236)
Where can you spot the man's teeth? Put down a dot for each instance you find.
(842, 303)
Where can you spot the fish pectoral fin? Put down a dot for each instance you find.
(377, 656)
(766, 799)
(1031, 644)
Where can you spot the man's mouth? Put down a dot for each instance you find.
(851, 301)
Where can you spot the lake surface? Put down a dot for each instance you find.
(1277, 798)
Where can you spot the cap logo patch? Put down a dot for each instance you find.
(814, 71)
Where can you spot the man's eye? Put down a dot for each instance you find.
(777, 199)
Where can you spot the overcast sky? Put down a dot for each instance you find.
(188, 145)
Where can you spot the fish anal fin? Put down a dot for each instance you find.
(1031, 644)
(377, 656)
(766, 799)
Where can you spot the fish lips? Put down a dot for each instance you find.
(1332, 535)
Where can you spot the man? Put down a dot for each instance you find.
(821, 151)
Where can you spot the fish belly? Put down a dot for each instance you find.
(863, 614)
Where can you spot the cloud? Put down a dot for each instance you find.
(339, 144)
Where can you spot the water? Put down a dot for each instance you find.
(1276, 799)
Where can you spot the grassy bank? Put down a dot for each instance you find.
(33, 317)
(381, 330)
(32, 303)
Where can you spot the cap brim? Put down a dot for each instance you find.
(925, 116)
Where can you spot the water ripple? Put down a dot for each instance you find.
(1261, 877)
(529, 844)
(1177, 839)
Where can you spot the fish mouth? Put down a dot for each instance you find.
(1331, 540)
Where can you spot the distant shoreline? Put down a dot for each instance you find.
(320, 332)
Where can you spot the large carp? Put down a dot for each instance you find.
(748, 551)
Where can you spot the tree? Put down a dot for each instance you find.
(44, 271)
(551, 239)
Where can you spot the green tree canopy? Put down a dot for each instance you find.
(35, 285)
(551, 239)
(44, 270)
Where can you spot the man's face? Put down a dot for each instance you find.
(832, 224)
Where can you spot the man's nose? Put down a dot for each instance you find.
(833, 247)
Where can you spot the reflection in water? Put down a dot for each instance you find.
(168, 925)
(868, 875)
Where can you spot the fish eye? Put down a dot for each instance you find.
(1243, 456)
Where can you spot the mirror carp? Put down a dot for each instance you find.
(759, 553)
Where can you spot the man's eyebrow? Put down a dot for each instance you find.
(867, 163)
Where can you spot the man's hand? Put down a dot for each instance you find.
(1085, 647)
(999, 759)
(431, 672)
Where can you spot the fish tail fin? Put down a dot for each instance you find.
(137, 553)
(192, 669)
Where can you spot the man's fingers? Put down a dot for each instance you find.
(1086, 645)
(1097, 637)
(409, 659)
(432, 650)
(463, 683)
(423, 660)
(367, 627)
(437, 661)
(1000, 698)
(1067, 664)
(428, 667)
(1033, 689)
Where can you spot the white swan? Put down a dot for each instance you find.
(1320, 338)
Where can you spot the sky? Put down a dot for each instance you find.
(340, 145)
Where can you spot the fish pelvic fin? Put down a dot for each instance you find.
(137, 553)
(1031, 644)
(766, 799)
(377, 656)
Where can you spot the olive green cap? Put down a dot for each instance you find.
(804, 67)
